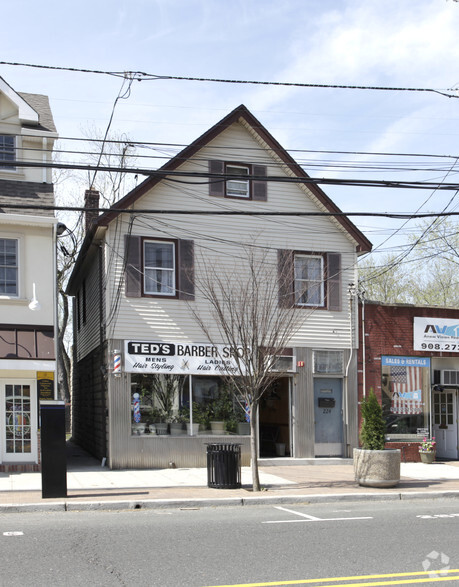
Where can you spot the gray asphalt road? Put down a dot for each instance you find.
(228, 546)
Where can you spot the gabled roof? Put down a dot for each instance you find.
(40, 104)
(238, 114)
(33, 109)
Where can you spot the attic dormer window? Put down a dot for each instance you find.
(7, 151)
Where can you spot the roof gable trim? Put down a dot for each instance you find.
(26, 113)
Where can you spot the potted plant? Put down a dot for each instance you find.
(428, 450)
(201, 415)
(375, 466)
(221, 410)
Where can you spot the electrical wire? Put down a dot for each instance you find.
(142, 76)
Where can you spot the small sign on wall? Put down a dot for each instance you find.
(45, 385)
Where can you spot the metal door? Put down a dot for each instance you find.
(18, 426)
(445, 423)
(328, 417)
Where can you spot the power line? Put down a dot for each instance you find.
(157, 145)
(253, 213)
(142, 76)
(171, 174)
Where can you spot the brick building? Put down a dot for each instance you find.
(409, 355)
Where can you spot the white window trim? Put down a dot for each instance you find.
(240, 182)
(16, 171)
(20, 264)
(321, 304)
(327, 373)
(173, 293)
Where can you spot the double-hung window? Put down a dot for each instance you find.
(9, 267)
(309, 280)
(159, 268)
(245, 181)
(7, 151)
(238, 187)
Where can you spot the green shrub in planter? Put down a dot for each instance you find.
(375, 466)
(372, 433)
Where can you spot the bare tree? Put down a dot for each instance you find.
(384, 280)
(425, 273)
(249, 306)
(116, 151)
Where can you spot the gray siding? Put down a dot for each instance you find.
(303, 402)
(89, 404)
(90, 301)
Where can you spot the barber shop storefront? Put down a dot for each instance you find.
(169, 400)
(411, 359)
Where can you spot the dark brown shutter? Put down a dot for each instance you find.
(134, 272)
(334, 281)
(260, 187)
(217, 187)
(186, 270)
(286, 278)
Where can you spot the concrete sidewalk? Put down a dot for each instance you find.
(91, 486)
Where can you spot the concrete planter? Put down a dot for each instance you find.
(377, 468)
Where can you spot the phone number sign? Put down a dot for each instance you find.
(436, 334)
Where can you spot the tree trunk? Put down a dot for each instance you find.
(254, 446)
(63, 358)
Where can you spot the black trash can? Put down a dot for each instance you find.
(224, 466)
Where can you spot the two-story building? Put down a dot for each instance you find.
(143, 368)
(28, 313)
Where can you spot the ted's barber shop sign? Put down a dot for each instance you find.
(181, 358)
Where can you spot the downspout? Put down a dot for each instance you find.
(103, 356)
(45, 159)
(56, 312)
(346, 373)
(364, 384)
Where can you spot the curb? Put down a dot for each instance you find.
(151, 504)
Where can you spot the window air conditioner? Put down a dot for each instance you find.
(449, 377)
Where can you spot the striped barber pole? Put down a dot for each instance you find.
(117, 364)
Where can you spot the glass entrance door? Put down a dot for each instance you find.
(328, 417)
(19, 429)
(445, 423)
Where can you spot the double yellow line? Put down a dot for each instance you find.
(388, 579)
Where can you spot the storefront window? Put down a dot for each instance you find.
(160, 404)
(405, 386)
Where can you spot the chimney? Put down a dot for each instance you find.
(91, 204)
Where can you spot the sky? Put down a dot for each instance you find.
(395, 44)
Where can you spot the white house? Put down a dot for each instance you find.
(135, 290)
(27, 274)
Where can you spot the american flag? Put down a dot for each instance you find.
(406, 380)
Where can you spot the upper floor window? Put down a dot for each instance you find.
(238, 187)
(159, 267)
(224, 186)
(309, 280)
(7, 151)
(9, 267)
